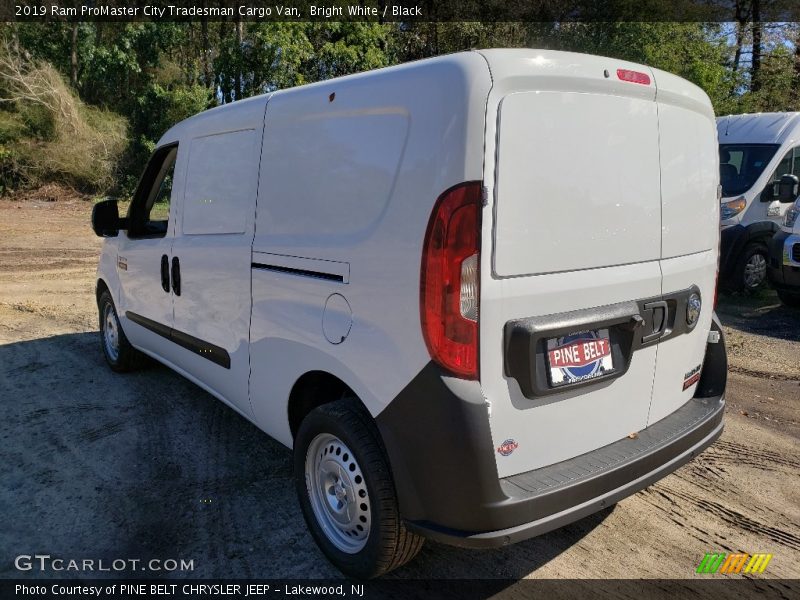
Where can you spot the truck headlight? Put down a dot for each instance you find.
(732, 208)
(791, 215)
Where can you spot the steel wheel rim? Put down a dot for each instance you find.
(755, 271)
(111, 333)
(338, 493)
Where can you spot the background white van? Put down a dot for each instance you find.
(784, 261)
(473, 293)
(756, 152)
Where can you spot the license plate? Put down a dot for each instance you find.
(579, 357)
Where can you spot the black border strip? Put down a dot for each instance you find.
(711, 586)
(302, 272)
(541, 11)
(200, 347)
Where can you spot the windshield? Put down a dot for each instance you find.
(741, 164)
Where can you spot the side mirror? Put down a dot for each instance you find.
(105, 219)
(787, 188)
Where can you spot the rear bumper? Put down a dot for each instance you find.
(783, 270)
(440, 449)
(554, 496)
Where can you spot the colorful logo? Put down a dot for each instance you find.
(733, 563)
(508, 447)
(579, 356)
(691, 378)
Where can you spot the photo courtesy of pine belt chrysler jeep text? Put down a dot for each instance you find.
(474, 294)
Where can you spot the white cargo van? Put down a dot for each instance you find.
(784, 260)
(473, 293)
(759, 166)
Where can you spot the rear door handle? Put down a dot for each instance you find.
(176, 275)
(659, 311)
(165, 273)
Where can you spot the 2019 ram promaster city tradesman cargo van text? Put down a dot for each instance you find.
(473, 293)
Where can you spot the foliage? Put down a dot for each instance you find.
(49, 134)
(96, 78)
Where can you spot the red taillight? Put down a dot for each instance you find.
(449, 282)
(633, 76)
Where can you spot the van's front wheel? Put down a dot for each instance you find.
(119, 353)
(751, 268)
(347, 494)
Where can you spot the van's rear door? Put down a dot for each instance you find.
(690, 232)
(571, 250)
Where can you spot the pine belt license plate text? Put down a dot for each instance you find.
(578, 357)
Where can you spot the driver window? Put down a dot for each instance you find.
(149, 211)
(784, 167)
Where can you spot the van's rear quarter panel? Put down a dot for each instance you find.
(350, 171)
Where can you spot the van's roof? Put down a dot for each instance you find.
(758, 128)
(497, 64)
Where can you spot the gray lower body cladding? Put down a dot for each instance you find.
(439, 446)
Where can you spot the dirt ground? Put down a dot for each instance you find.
(96, 464)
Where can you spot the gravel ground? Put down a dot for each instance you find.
(101, 465)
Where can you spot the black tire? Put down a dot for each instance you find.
(741, 280)
(127, 357)
(789, 299)
(388, 544)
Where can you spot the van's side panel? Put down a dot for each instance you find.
(140, 288)
(350, 171)
(214, 225)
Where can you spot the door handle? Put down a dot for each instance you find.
(176, 275)
(659, 311)
(165, 273)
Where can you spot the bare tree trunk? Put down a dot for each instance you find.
(74, 56)
(755, 69)
(14, 37)
(741, 20)
(204, 45)
(224, 77)
(796, 73)
(737, 55)
(741, 16)
(239, 38)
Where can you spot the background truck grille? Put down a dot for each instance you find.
(796, 252)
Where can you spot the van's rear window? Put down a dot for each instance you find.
(741, 164)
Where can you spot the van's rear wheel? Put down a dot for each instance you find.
(347, 494)
(119, 353)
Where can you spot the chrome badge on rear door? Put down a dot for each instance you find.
(578, 357)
